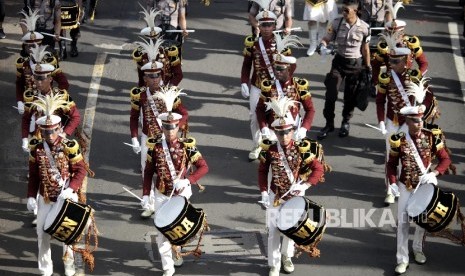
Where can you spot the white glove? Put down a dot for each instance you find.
(299, 189)
(181, 184)
(20, 107)
(66, 193)
(266, 133)
(135, 145)
(382, 127)
(394, 189)
(265, 199)
(245, 90)
(31, 204)
(300, 134)
(25, 144)
(428, 178)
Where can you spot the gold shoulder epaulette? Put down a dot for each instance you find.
(135, 93)
(33, 143)
(412, 42)
(28, 96)
(189, 142)
(249, 41)
(382, 48)
(384, 78)
(301, 83)
(73, 151)
(266, 144)
(19, 62)
(435, 129)
(287, 51)
(51, 59)
(151, 142)
(394, 140)
(266, 86)
(173, 51)
(415, 75)
(247, 51)
(137, 54)
(175, 61)
(177, 102)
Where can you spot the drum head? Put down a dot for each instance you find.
(170, 210)
(53, 213)
(418, 202)
(291, 212)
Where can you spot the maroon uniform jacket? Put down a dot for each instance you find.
(183, 153)
(295, 89)
(68, 160)
(171, 72)
(24, 78)
(70, 116)
(389, 100)
(429, 146)
(253, 58)
(302, 159)
(150, 126)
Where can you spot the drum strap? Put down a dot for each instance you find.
(56, 172)
(265, 57)
(401, 89)
(169, 161)
(279, 88)
(283, 160)
(153, 106)
(416, 155)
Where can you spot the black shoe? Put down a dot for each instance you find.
(324, 132)
(2, 34)
(63, 53)
(373, 91)
(74, 51)
(344, 130)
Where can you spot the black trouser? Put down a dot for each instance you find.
(2, 10)
(341, 68)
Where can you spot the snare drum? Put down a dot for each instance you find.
(69, 16)
(178, 220)
(431, 208)
(302, 220)
(67, 219)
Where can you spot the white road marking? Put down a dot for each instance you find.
(457, 54)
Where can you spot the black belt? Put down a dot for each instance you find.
(349, 61)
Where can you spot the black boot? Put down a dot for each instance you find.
(62, 50)
(329, 127)
(74, 51)
(344, 130)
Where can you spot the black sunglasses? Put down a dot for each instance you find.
(40, 77)
(283, 132)
(153, 76)
(267, 24)
(169, 126)
(395, 60)
(280, 67)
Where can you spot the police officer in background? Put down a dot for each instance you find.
(375, 12)
(283, 9)
(173, 17)
(351, 36)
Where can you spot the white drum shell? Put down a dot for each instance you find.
(171, 210)
(418, 201)
(291, 212)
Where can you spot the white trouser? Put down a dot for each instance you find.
(143, 152)
(321, 13)
(391, 129)
(43, 239)
(275, 249)
(163, 244)
(254, 127)
(403, 226)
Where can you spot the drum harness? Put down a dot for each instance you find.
(401, 89)
(154, 109)
(288, 170)
(56, 173)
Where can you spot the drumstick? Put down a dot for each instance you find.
(61, 37)
(291, 29)
(418, 185)
(180, 31)
(377, 128)
(133, 194)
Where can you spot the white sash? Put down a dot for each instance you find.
(153, 106)
(169, 160)
(265, 57)
(279, 88)
(401, 89)
(282, 158)
(416, 155)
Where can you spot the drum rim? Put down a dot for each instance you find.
(184, 209)
(306, 205)
(435, 192)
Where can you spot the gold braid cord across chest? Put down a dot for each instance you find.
(178, 156)
(278, 173)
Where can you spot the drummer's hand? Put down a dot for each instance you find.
(57, 37)
(66, 193)
(394, 189)
(287, 31)
(265, 199)
(299, 189)
(429, 178)
(184, 33)
(31, 204)
(180, 184)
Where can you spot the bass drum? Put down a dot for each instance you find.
(67, 219)
(302, 220)
(431, 208)
(178, 220)
(69, 15)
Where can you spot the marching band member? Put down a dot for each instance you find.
(33, 52)
(294, 168)
(413, 150)
(258, 55)
(67, 7)
(392, 96)
(168, 55)
(411, 42)
(42, 86)
(283, 9)
(56, 170)
(170, 158)
(318, 13)
(143, 103)
(285, 85)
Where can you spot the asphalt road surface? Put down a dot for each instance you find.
(360, 238)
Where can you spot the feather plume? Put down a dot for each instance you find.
(168, 95)
(281, 106)
(29, 21)
(50, 102)
(286, 42)
(39, 52)
(264, 4)
(390, 40)
(394, 9)
(150, 48)
(149, 16)
(418, 90)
